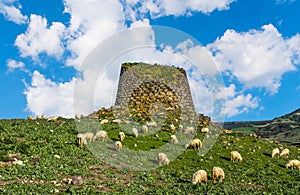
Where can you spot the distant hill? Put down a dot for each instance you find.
(285, 128)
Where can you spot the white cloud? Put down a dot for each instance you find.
(46, 97)
(39, 38)
(294, 47)
(257, 58)
(284, 1)
(159, 8)
(91, 22)
(13, 64)
(11, 12)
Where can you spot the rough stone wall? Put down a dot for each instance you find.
(142, 85)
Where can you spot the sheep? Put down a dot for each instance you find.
(218, 172)
(235, 155)
(101, 134)
(118, 121)
(43, 116)
(174, 139)
(199, 176)
(118, 146)
(275, 152)
(144, 129)
(195, 144)
(121, 136)
(226, 131)
(81, 140)
(292, 164)
(189, 130)
(180, 128)
(38, 117)
(104, 121)
(205, 130)
(162, 159)
(172, 128)
(285, 152)
(135, 132)
(89, 136)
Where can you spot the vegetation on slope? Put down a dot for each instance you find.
(39, 142)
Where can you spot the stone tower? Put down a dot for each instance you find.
(148, 89)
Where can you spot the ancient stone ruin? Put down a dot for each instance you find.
(154, 89)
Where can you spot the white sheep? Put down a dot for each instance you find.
(218, 172)
(180, 128)
(118, 146)
(81, 140)
(293, 163)
(275, 152)
(205, 130)
(30, 118)
(199, 176)
(235, 155)
(104, 121)
(162, 159)
(189, 130)
(118, 121)
(172, 128)
(135, 132)
(89, 136)
(285, 152)
(101, 134)
(173, 139)
(144, 129)
(121, 136)
(43, 116)
(195, 144)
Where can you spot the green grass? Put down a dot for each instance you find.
(245, 130)
(258, 173)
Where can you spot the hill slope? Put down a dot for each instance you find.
(39, 142)
(285, 128)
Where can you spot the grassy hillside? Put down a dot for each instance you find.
(51, 156)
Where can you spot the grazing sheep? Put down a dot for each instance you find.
(180, 128)
(118, 146)
(195, 144)
(205, 130)
(118, 121)
(235, 155)
(293, 163)
(172, 128)
(226, 131)
(218, 172)
(162, 159)
(101, 134)
(38, 117)
(275, 152)
(199, 176)
(174, 139)
(89, 136)
(81, 140)
(135, 132)
(104, 121)
(43, 116)
(121, 136)
(144, 129)
(189, 130)
(78, 116)
(285, 152)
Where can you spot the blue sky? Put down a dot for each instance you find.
(254, 44)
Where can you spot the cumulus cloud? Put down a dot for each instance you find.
(257, 58)
(39, 38)
(12, 12)
(47, 97)
(13, 64)
(91, 22)
(174, 7)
